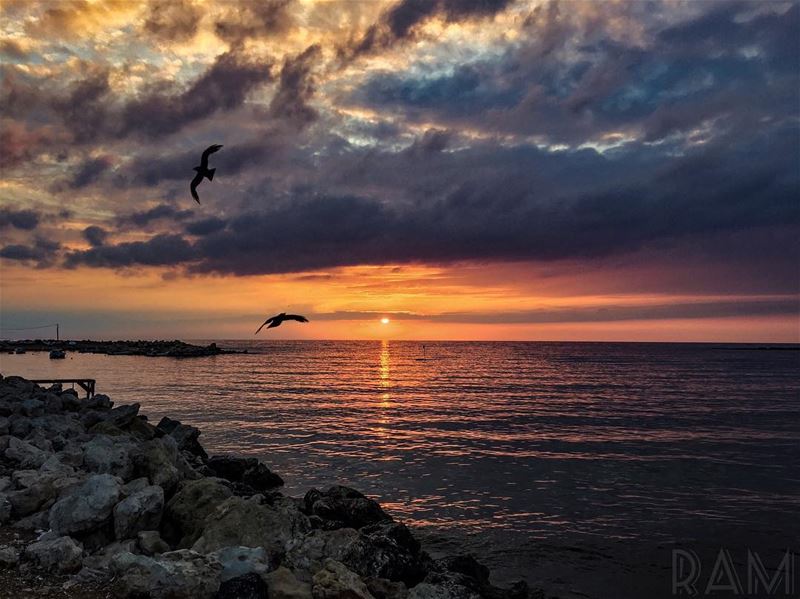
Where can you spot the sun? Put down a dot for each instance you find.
(384, 320)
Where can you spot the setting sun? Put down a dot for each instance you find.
(384, 320)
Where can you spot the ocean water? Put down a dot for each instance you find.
(578, 467)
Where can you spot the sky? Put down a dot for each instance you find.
(465, 169)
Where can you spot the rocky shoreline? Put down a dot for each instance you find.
(169, 349)
(96, 501)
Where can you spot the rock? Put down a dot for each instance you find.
(5, 509)
(38, 521)
(156, 459)
(101, 560)
(62, 554)
(380, 588)
(53, 404)
(99, 402)
(5, 483)
(342, 507)
(465, 565)
(335, 581)
(283, 584)
(87, 507)
(142, 429)
(185, 436)
(137, 484)
(425, 590)
(179, 574)
(141, 511)
(237, 561)
(248, 471)
(122, 416)
(32, 407)
(31, 499)
(4, 425)
(246, 586)
(25, 454)
(106, 428)
(19, 426)
(376, 554)
(249, 523)
(151, 543)
(9, 556)
(70, 401)
(186, 512)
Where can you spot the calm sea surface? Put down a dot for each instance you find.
(577, 466)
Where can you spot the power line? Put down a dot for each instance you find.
(44, 326)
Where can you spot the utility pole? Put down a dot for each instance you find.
(57, 337)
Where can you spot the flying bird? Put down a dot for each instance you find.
(203, 171)
(276, 321)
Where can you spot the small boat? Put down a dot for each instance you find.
(58, 354)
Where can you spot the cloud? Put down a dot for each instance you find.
(26, 220)
(43, 252)
(144, 217)
(96, 236)
(87, 173)
(206, 226)
(245, 19)
(172, 20)
(295, 89)
(161, 250)
(400, 21)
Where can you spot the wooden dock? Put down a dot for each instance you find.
(85, 384)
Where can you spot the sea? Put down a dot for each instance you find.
(600, 470)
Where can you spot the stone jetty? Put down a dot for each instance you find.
(169, 349)
(96, 501)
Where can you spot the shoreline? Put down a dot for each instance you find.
(122, 506)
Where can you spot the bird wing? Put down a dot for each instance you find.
(208, 150)
(267, 321)
(193, 186)
(296, 317)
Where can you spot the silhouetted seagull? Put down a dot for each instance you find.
(203, 171)
(276, 321)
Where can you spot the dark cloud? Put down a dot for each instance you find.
(87, 173)
(172, 20)
(246, 19)
(206, 226)
(27, 220)
(43, 252)
(295, 89)
(96, 236)
(718, 70)
(223, 86)
(161, 250)
(400, 21)
(13, 50)
(145, 217)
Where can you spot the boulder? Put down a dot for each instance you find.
(343, 507)
(425, 590)
(156, 459)
(5, 426)
(53, 404)
(380, 588)
(87, 507)
(5, 508)
(61, 554)
(151, 543)
(248, 522)
(100, 560)
(283, 584)
(185, 436)
(242, 560)
(25, 454)
(9, 556)
(335, 581)
(140, 511)
(99, 402)
(246, 586)
(248, 471)
(179, 574)
(32, 407)
(31, 499)
(122, 416)
(186, 512)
